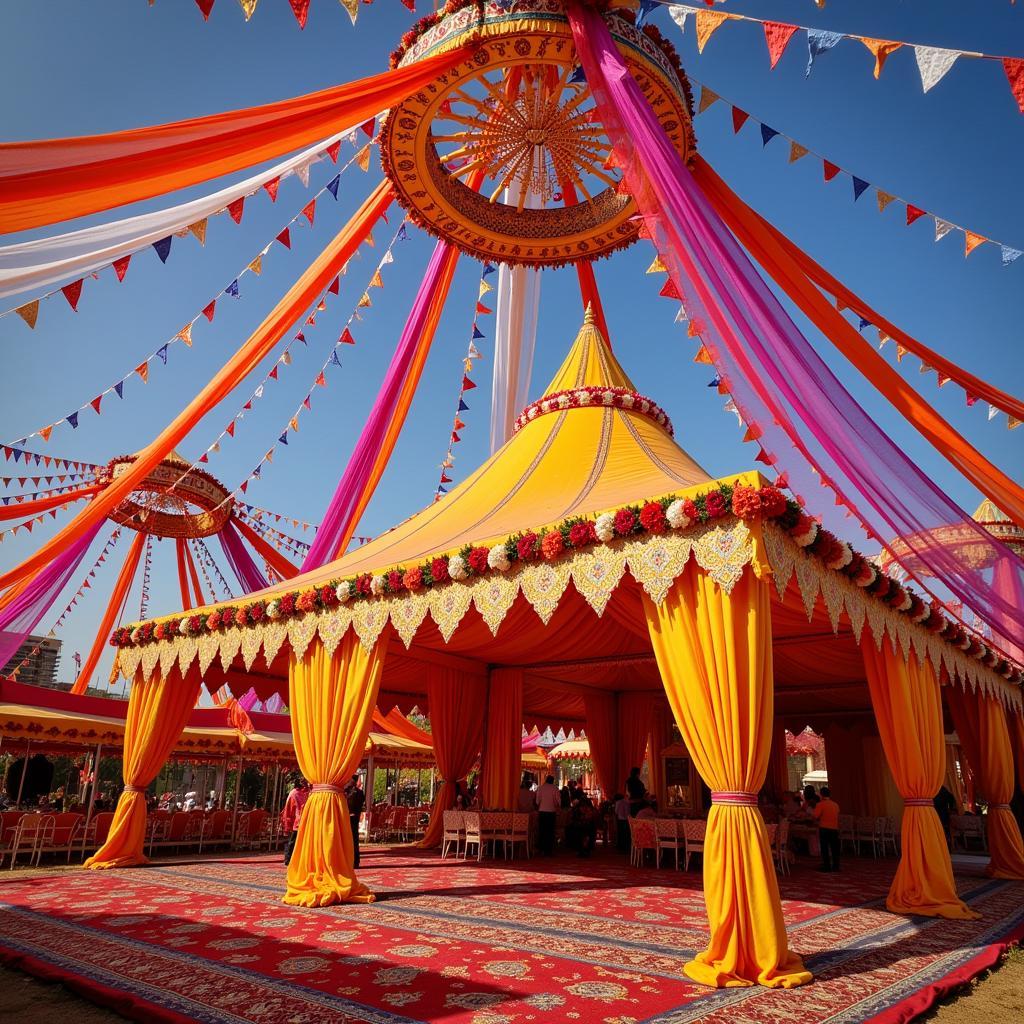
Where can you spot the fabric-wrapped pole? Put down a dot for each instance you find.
(503, 739)
(603, 724)
(714, 652)
(457, 707)
(42, 182)
(112, 613)
(312, 283)
(332, 697)
(908, 708)
(158, 711)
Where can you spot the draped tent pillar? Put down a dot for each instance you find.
(714, 652)
(457, 704)
(503, 739)
(908, 707)
(158, 711)
(603, 725)
(332, 697)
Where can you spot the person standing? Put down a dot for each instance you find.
(549, 803)
(356, 802)
(826, 814)
(292, 814)
(636, 791)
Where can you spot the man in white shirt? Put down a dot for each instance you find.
(549, 803)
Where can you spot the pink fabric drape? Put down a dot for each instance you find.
(345, 502)
(774, 375)
(241, 562)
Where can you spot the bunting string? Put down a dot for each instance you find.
(207, 564)
(147, 566)
(256, 512)
(77, 256)
(281, 541)
(36, 481)
(299, 8)
(6, 499)
(933, 62)
(830, 170)
(184, 336)
(50, 513)
(37, 458)
(466, 384)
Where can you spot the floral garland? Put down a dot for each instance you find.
(593, 395)
(651, 518)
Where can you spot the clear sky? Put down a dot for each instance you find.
(74, 68)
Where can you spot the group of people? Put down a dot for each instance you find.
(291, 815)
(821, 810)
(549, 800)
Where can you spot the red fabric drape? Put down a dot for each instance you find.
(277, 561)
(42, 182)
(186, 596)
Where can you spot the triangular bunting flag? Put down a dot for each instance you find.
(884, 199)
(488, 268)
(335, 361)
(767, 134)
(708, 22)
(739, 119)
(186, 334)
(309, 211)
(248, 7)
(1014, 68)
(163, 248)
(273, 373)
(376, 281)
(796, 151)
(482, 309)
(1009, 255)
(162, 353)
(830, 169)
(199, 230)
(657, 267)
(30, 311)
(143, 371)
(334, 286)
(467, 384)
(352, 6)
(462, 406)
(302, 173)
(363, 158)
(272, 186)
(232, 289)
(300, 8)
(285, 238)
(256, 266)
(209, 309)
(703, 356)
(121, 267)
(972, 241)
(880, 48)
(818, 42)
(913, 213)
(942, 228)
(485, 287)
(367, 127)
(205, 6)
(95, 403)
(321, 380)
(364, 302)
(707, 97)
(860, 186)
(332, 185)
(670, 291)
(346, 338)
(777, 36)
(477, 333)
(235, 209)
(73, 292)
(933, 62)
(333, 150)
(119, 388)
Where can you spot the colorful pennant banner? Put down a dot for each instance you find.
(299, 8)
(184, 336)
(933, 62)
(466, 384)
(282, 541)
(6, 499)
(147, 567)
(207, 564)
(36, 481)
(830, 170)
(21, 454)
(255, 512)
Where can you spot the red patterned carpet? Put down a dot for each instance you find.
(461, 943)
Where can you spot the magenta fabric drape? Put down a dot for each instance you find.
(357, 472)
(22, 615)
(775, 377)
(241, 562)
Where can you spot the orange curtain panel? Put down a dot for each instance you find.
(753, 234)
(714, 652)
(286, 313)
(112, 613)
(457, 707)
(27, 509)
(332, 697)
(603, 737)
(193, 575)
(186, 595)
(158, 711)
(266, 551)
(56, 179)
(635, 720)
(907, 702)
(503, 739)
(1017, 729)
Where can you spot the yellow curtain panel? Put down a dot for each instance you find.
(908, 708)
(714, 651)
(332, 697)
(158, 711)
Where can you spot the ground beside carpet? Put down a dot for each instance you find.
(457, 942)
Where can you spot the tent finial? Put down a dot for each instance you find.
(588, 316)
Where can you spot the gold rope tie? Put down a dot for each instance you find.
(323, 787)
(134, 789)
(734, 798)
(918, 801)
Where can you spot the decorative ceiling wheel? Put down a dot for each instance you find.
(518, 120)
(173, 500)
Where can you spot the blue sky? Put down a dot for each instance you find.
(73, 68)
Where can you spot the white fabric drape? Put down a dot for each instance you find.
(515, 337)
(31, 266)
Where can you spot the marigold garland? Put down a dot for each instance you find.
(650, 518)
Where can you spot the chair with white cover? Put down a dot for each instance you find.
(669, 835)
(643, 836)
(473, 835)
(693, 840)
(454, 832)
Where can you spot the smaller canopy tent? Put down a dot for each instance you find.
(571, 750)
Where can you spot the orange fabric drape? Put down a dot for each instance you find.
(714, 651)
(186, 595)
(908, 708)
(660, 737)
(285, 314)
(42, 182)
(981, 725)
(457, 708)
(503, 739)
(1017, 728)
(635, 720)
(603, 737)
(112, 613)
(267, 551)
(193, 575)
(753, 234)
(408, 392)
(158, 711)
(27, 509)
(396, 724)
(332, 697)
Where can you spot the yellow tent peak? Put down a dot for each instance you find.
(590, 362)
(987, 512)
